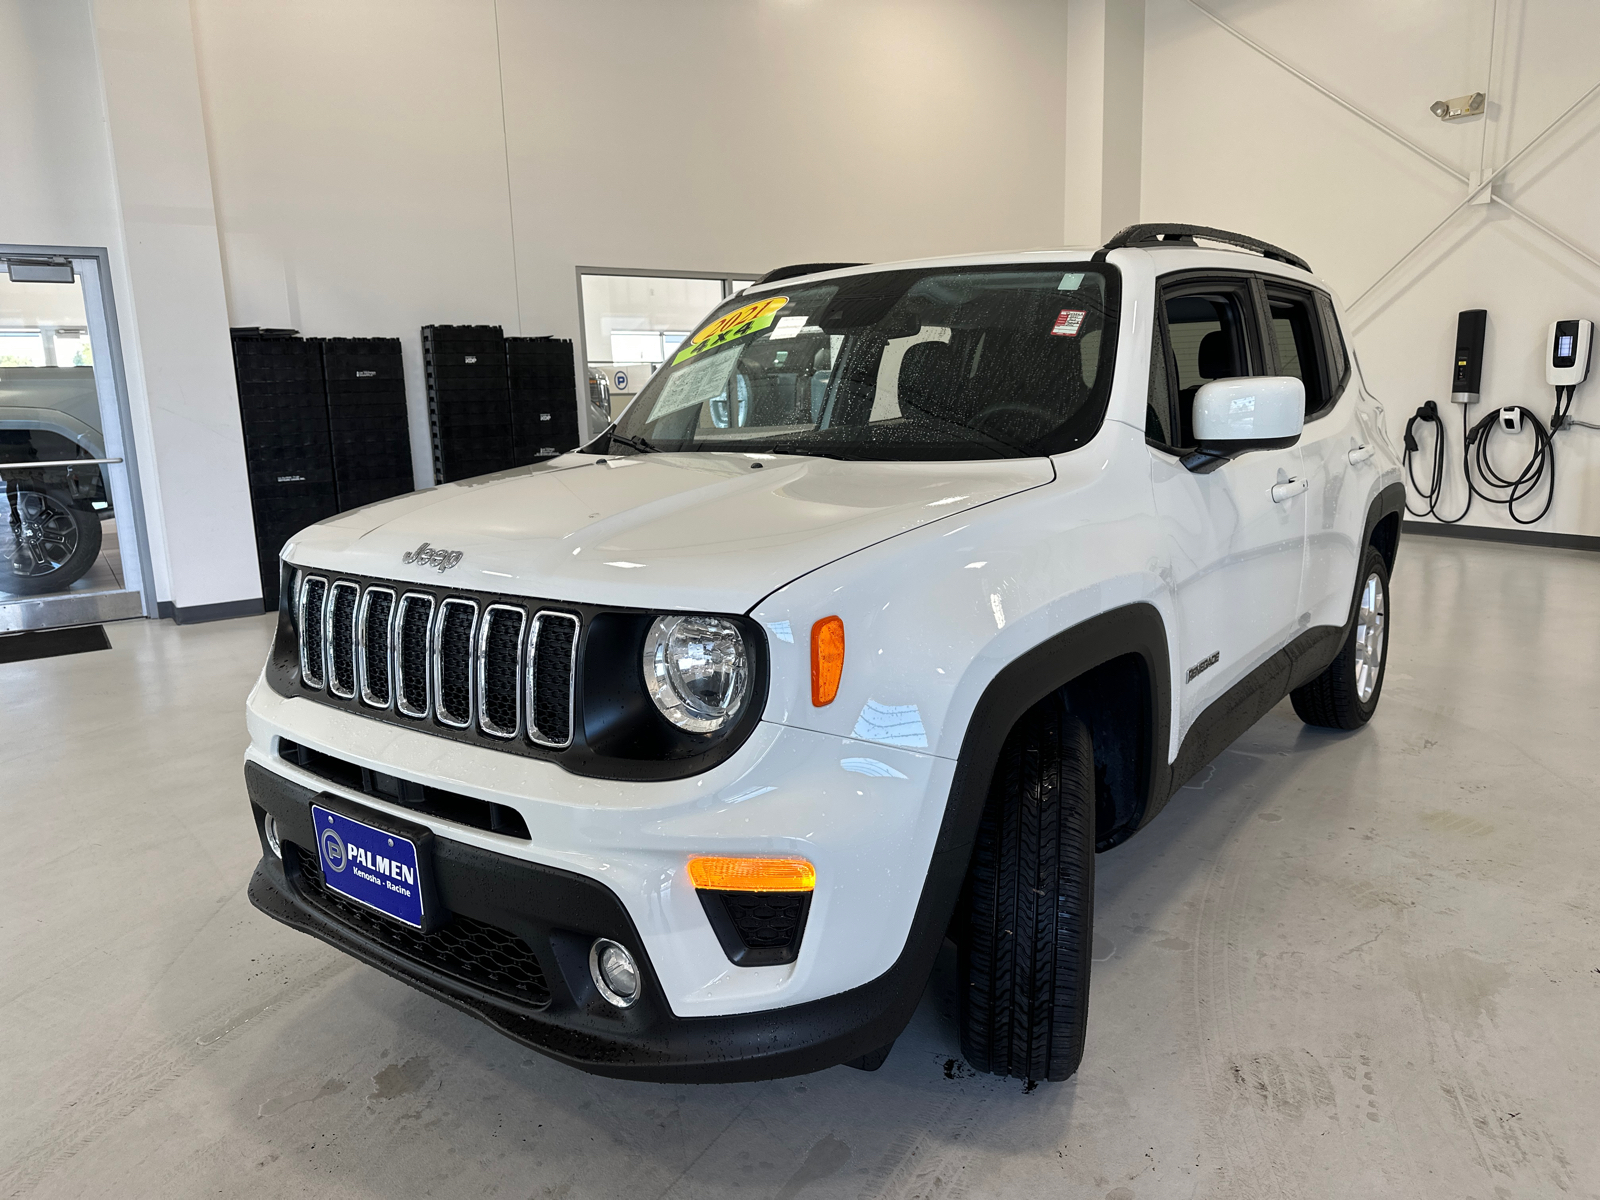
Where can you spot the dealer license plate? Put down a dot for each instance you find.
(370, 866)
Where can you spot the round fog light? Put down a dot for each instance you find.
(614, 972)
(270, 827)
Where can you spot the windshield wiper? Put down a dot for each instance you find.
(641, 443)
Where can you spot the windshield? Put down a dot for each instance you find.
(946, 363)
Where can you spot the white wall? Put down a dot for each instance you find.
(369, 180)
(1235, 140)
(102, 145)
(369, 167)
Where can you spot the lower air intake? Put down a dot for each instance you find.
(487, 957)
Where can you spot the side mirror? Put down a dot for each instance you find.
(1261, 410)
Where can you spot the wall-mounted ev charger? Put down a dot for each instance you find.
(1566, 365)
(1466, 379)
(1567, 362)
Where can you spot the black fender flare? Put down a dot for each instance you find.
(1132, 629)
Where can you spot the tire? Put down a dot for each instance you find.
(1027, 916)
(1346, 694)
(47, 540)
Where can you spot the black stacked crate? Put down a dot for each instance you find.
(544, 397)
(284, 409)
(370, 435)
(469, 400)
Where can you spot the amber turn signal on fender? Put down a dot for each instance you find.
(827, 660)
(712, 874)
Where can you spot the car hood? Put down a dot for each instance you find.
(685, 531)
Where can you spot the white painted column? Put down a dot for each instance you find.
(174, 314)
(1105, 117)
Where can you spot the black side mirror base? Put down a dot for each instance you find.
(1209, 456)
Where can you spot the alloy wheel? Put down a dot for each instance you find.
(41, 534)
(1370, 627)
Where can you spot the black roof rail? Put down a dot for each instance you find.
(1161, 234)
(790, 272)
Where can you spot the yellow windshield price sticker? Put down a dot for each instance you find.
(741, 322)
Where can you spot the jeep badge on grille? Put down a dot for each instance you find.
(426, 556)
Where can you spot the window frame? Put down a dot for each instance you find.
(1175, 286)
(1334, 335)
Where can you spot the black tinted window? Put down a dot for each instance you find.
(1210, 340)
(1159, 425)
(1294, 329)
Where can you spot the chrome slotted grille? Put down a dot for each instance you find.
(552, 651)
(499, 660)
(375, 628)
(341, 638)
(452, 662)
(412, 662)
(487, 668)
(313, 602)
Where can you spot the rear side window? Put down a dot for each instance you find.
(1297, 336)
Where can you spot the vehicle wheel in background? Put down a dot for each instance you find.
(47, 541)
(1028, 904)
(1346, 694)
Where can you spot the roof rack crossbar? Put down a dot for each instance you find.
(1159, 234)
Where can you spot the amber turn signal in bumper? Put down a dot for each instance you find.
(752, 874)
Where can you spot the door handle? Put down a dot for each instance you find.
(1360, 455)
(1284, 491)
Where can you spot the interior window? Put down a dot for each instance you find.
(1294, 328)
(1209, 341)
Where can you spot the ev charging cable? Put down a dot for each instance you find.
(1527, 480)
(1428, 414)
(1496, 488)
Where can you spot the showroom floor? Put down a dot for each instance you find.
(1337, 966)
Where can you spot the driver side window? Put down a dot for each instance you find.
(1208, 331)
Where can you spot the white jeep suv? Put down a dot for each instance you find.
(895, 595)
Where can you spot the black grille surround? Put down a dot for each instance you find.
(579, 698)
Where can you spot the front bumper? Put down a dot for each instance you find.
(867, 816)
(557, 914)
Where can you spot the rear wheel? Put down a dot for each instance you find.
(1027, 917)
(47, 540)
(1346, 694)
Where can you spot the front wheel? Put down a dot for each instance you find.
(1027, 919)
(47, 540)
(1346, 694)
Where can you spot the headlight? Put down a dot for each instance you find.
(697, 671)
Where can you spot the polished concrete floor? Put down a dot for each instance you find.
(1338, 965)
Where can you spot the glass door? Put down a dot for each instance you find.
(69, 535)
